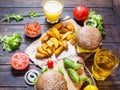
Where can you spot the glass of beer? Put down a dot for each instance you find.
(52, 10)
(105, 61)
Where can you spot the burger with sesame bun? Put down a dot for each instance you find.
(88, 39)
(51, 80)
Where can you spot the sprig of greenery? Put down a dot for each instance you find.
(33, 14)
(19, 17)
(10, 17)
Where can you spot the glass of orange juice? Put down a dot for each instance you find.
(52, 9)
(105, 61)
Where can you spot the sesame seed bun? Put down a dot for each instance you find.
(88, 37)
(51, 80)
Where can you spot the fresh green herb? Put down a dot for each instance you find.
(33, 14)
(10, 17)
(60, 70)
(44, 69)
(18, 17)
(85, 79)
(11, 43)
(98, 19)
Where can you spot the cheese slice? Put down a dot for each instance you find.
(82, 50)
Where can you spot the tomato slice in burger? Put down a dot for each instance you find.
(19, 61)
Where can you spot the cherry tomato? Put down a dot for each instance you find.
(90, 87)
(50, 63)
(19, 61)
(32, 29)
(80, 13)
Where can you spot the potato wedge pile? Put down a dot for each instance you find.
(55, 40)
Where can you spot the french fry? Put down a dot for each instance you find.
(65, 44)
(56, 32)
(58, 50)
(40, 50)
(39, 55)
(59, 25)
(44, 38)
(70, 26)
(66, 34)
(54, 41)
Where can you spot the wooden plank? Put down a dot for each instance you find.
(67, 3)
(116, 6)
(108, 15)
(13, 78)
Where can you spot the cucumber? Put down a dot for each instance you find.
(68, 63)
(73, 75)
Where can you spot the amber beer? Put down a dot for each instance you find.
(105, 61)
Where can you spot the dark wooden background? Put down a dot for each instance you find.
(109, 9)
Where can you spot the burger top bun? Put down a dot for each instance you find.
(51, 80)
(88, 37)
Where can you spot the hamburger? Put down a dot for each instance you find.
(51, 80)
(88, 39)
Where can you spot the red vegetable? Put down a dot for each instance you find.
(50, 63)
(32, 29)
(80, 13)
(19, 61)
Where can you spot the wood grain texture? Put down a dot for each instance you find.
(67, 3)
(116, 7)
(13, 80)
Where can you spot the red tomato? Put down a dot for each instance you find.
(50, 63)
(19, 61)
(80, 13)
(32, 29)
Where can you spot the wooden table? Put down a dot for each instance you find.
(109, 9)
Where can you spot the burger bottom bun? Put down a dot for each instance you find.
(51, 80)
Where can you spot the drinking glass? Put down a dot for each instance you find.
(52, 9)
(105, 61)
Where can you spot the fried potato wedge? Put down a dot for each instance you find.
(40, 50)
(44, 38)
(40, 55)
(70, 26)
(56, 32)
(50, 33)
(66, 34)
(44, 46)
(58, 50)
(49, 43)
(63, 30)
(54, 41)
(59, 25)
(65, 44)
(71, 36)
(72, 41)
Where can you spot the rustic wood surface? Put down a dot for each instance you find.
(109, 9)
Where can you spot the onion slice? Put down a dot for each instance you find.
(90, 20)
(30, 76)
